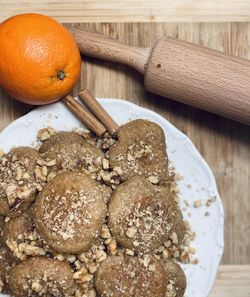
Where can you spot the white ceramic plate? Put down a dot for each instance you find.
(183, 155)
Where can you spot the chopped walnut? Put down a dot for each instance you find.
(6, 220)
(31, 250)
(136, 243)
(51, 163)
(24, 193)
(174, 238)
(40, 162)
(105, 233)
(92, 268)
(71, 258)
(45, 133)
(36, 287)
(192, 250)
(145, 261)
(101, 256)
(50, 176)
(129, 252)
(210, 201)
(1, 153)
(165, 254)
(153, 179)
(113, 247)
(11, 193)
(59, 257)
(41, 173)
(83, 276)
(105, 164)
(171, 291)
(131, 232)
(198, 203)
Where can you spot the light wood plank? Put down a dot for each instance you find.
(132, 11)
(232, 281)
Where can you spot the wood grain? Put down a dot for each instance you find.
(110, 49)
(232, 281)
(132, 11)
(223, 143)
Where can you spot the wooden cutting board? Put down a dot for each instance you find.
(223, 143)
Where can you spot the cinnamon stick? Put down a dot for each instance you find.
(95, 107)
(85, 116)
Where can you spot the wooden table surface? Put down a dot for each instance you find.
(223, 143)
(131, 11)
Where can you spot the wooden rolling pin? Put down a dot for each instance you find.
(195, 75)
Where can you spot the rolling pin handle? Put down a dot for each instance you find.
(102, 47)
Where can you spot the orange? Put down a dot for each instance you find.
(39, 59)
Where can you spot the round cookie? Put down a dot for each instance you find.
(140, 150)
(176, 279)
(74, 156)
(125, 276)
(6, 262)
(41, 276)
(20, 236)
(179, 225)
(140, 218)
(21, 225)
(18, 185)
(69, 212)
(62, 137)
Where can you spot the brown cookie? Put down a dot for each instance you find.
(41, 276)
(18, 185)
(61, 137)
(140, 218)
(21, 225)
(179, 225)
(6, 261)
(69, 212)
(140, 150)
(74, 156)
(124, 276)
(176, 279)
(21, 237)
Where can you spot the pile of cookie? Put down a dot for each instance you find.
(90, 216)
